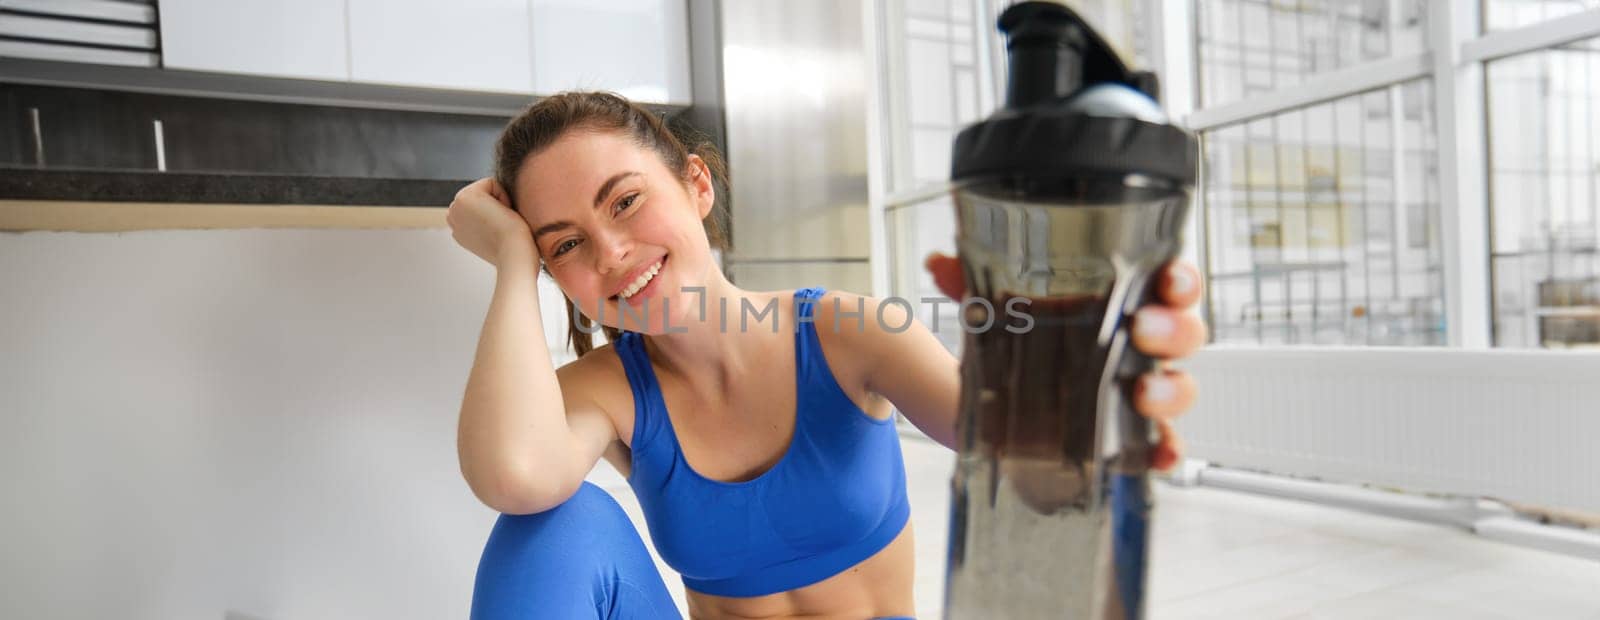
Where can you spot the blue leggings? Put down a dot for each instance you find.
(580, 560)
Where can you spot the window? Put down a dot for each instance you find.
(1322, 223)
(1544, 161)
(1508, 14)
(1252, 47)
(1320, 207)
(1321, 219)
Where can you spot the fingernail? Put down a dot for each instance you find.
(1163, 458)
(1159, 389)
(1182, 281)
(1148, 324)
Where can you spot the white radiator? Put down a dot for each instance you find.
(1520, 426)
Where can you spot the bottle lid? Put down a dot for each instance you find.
(1072, 109)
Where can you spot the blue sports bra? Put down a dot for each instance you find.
(836, 497)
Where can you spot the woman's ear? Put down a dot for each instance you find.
(701, 190)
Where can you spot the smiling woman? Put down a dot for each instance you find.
(732, 478)
(766, 463)
(617, 130)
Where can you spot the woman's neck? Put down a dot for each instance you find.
(725, 344)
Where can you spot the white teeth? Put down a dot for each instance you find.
(644, 279)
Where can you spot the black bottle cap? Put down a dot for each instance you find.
(1073, 109)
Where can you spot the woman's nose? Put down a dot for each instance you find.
(614, 250)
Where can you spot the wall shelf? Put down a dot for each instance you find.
(103, 217)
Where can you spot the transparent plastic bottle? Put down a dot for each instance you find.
(1069, 200)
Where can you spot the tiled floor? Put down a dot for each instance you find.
(1221, 554)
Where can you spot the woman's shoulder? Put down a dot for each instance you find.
(844, 312)
(600, 363)
(850, 331)
(870, 329)
(857, 326)
(597, 377)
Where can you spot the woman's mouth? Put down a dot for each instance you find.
(644, 285)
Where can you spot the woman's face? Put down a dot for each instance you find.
(606, 214)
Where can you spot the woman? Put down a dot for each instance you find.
(757, 438)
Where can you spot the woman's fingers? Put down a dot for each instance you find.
(1179, 286)
(499, 192)
(1169, 451)
(1164, 394)
(946, 272)
(1166, 333)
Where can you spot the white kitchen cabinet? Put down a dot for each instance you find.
(464, 44)
(283, 38)
(639, 48)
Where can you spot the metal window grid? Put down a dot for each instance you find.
(1454, 48)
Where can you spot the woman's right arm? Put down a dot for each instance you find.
(523, 446)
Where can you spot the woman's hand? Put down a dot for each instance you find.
(481, 220)
(1164, 330)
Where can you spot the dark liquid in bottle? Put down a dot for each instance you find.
(1040, 396)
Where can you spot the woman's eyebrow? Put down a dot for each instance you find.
(599, 197)
(550, 228)
(605, 188)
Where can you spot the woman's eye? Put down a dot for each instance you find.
(627, 201)
(565, 245)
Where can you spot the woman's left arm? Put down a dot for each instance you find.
(912, 369)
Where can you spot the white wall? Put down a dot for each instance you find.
(256, 421)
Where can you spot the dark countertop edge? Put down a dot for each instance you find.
(222, 188)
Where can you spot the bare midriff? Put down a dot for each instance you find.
(876, 587)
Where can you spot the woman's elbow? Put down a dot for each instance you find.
(520, 493)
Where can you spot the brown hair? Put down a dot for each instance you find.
(550, 118)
